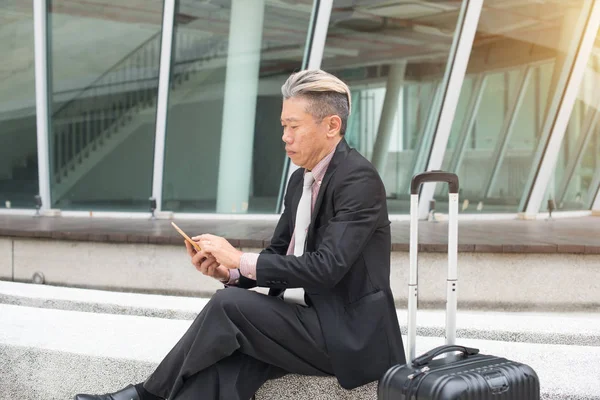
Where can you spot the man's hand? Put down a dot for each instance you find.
(207, 264)
(225, 254)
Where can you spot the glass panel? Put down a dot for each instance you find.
(224, 151)
(18, 153)
(577, 172)
(519, 62)
(376, 46)
(104, 62)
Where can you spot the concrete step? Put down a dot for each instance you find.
(28, 373)
(63, 351)
(487, 281)
(54, 375)
(576, 328)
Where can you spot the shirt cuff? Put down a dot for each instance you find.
(247, 269)
(234, 277)
(248, 265)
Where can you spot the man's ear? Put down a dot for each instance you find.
(334, 125)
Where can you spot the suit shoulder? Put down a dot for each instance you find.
(357, 162)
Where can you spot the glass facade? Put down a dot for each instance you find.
(223, 151)
(576, 176)
(394, 57)
(225, 103)
(104, 63)
(515, 80)
(18, 137)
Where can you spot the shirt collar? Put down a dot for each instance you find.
(319, 170)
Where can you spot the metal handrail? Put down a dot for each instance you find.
(80, 126)
(116, 66)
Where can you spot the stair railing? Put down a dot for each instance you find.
(111, 101)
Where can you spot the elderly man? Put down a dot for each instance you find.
(330, 309)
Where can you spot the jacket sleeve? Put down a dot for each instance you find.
(281, 236)
(358, 201)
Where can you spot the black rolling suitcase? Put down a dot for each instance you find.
(463, 373)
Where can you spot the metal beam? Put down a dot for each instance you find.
(506, 132)
(320, 34)
(423, 113)
(467, 127)
(162, 102)
(424, 142)
(596, 184)
(316, 37)
(424, 139)
(583, 140)
(389, 110)
(455, 75)
(420, 159)
(559, 112)
(40, 29)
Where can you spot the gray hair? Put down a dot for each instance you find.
(327, 94)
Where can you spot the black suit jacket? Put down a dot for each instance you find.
(345, 270)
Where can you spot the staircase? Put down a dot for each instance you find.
(98, 119)
(56, 341)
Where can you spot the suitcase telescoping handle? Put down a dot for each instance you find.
(452, 281)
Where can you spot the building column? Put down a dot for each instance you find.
(596, 186)
(466, 129)
(42, 94)
(588, 129)
(162, 103)
(558, 114)
(239, 109)
(388, 113)
(454, 76)
(508, 125)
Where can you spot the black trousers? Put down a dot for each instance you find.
(241, 339)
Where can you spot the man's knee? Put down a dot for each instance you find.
(228, 297)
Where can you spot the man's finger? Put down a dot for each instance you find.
(207, 244)
(190, 250)
(204, 266)
(208, 266)
(199, 257)
(211, 269)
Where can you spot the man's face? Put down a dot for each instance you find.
(306, 140)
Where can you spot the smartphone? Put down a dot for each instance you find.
(190, 241)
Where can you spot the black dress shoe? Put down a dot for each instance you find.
(128, 393)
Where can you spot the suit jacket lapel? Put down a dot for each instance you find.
(341, 152)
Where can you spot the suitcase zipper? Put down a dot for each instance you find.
(413, 379)
(423, 372)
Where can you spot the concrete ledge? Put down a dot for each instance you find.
(6, 261)
(486, 280)
(298, 387)
(39, 374)
(508, 282)
(53, 375)
(565, 371)
(132, 266)
(581, 329)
